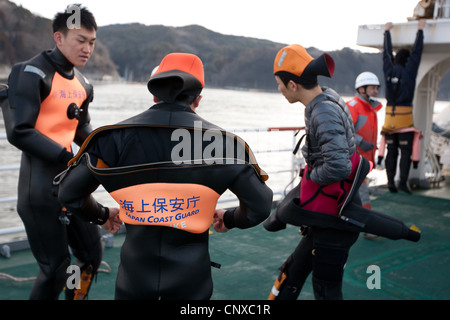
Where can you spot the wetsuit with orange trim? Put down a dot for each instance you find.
(48, 110)
(166, 168)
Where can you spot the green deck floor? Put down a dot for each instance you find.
(250, 259)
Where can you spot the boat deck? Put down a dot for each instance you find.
(250, 258)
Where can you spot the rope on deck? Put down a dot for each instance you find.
(5, 276)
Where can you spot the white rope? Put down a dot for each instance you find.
(10, 277)
(5, 276)
(108, 268)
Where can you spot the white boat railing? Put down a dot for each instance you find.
(293, 169)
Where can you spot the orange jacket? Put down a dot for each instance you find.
(365, 120)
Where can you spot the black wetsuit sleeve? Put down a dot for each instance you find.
(26, 90)
(255, 201)
(412, 66)
(75, 194)
(388, 56)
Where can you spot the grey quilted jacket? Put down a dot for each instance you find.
(330, 141)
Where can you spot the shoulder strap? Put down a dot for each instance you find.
(297, 146)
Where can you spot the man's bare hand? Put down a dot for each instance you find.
(218, 223)
(114, 223)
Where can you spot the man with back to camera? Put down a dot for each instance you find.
(48, 110)
(398, 131)
(167, 193)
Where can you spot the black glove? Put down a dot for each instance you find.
(366, 146)
(415, 164)
(380, 159)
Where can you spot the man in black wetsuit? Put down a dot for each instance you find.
(47, 111)
(166, 168)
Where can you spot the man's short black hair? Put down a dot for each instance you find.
(307, 86)
(87, 19)
(402, 57)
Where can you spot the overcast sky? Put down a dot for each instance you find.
(327, 24)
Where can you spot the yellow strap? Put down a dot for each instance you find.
(85, 283)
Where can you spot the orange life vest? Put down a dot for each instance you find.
(53, 120)
(186, 206)
(365, 120)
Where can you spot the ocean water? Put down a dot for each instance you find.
(248, 113)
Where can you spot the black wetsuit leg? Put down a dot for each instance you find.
(330, 253)
(297, 268)
(324, 252)
(39, 210)
(85, 242)
(391, 157)
(405, 141)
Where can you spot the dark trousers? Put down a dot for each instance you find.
(323, 252)
(404, 142)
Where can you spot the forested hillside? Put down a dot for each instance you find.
(230, 61)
